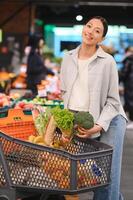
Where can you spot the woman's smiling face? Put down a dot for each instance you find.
(92, 32)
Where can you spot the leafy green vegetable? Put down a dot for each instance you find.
(63, 117)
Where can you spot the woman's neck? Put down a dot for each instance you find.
(86, 51)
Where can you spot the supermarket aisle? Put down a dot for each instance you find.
(127, 166)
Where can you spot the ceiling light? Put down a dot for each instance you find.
(79, 17)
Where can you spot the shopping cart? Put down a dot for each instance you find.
(27, 168)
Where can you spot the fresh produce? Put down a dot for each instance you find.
(83, 119)
(39, 100)
(64, 120)
(46, 123)
(36, 139)
(5, 100)
(63, 117)
(41, 120)
(15, 95)
(24, 105)
(31, 138)
(29, 103)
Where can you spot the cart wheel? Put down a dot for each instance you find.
(3, 197)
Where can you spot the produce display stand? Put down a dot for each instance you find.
(6, 81)
(27, 168)
(5, 85)
(21, 92)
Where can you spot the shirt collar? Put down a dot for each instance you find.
(99, 53)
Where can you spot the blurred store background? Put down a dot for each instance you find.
(59, 23)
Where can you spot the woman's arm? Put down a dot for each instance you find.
(112, 104)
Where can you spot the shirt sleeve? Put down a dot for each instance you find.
(112, 104)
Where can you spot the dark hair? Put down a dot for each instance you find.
(34, 41)
(104, 22)
(127, 49)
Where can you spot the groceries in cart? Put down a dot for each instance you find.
(36, 156)
(46, 123)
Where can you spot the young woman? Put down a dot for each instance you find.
(89, 82)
